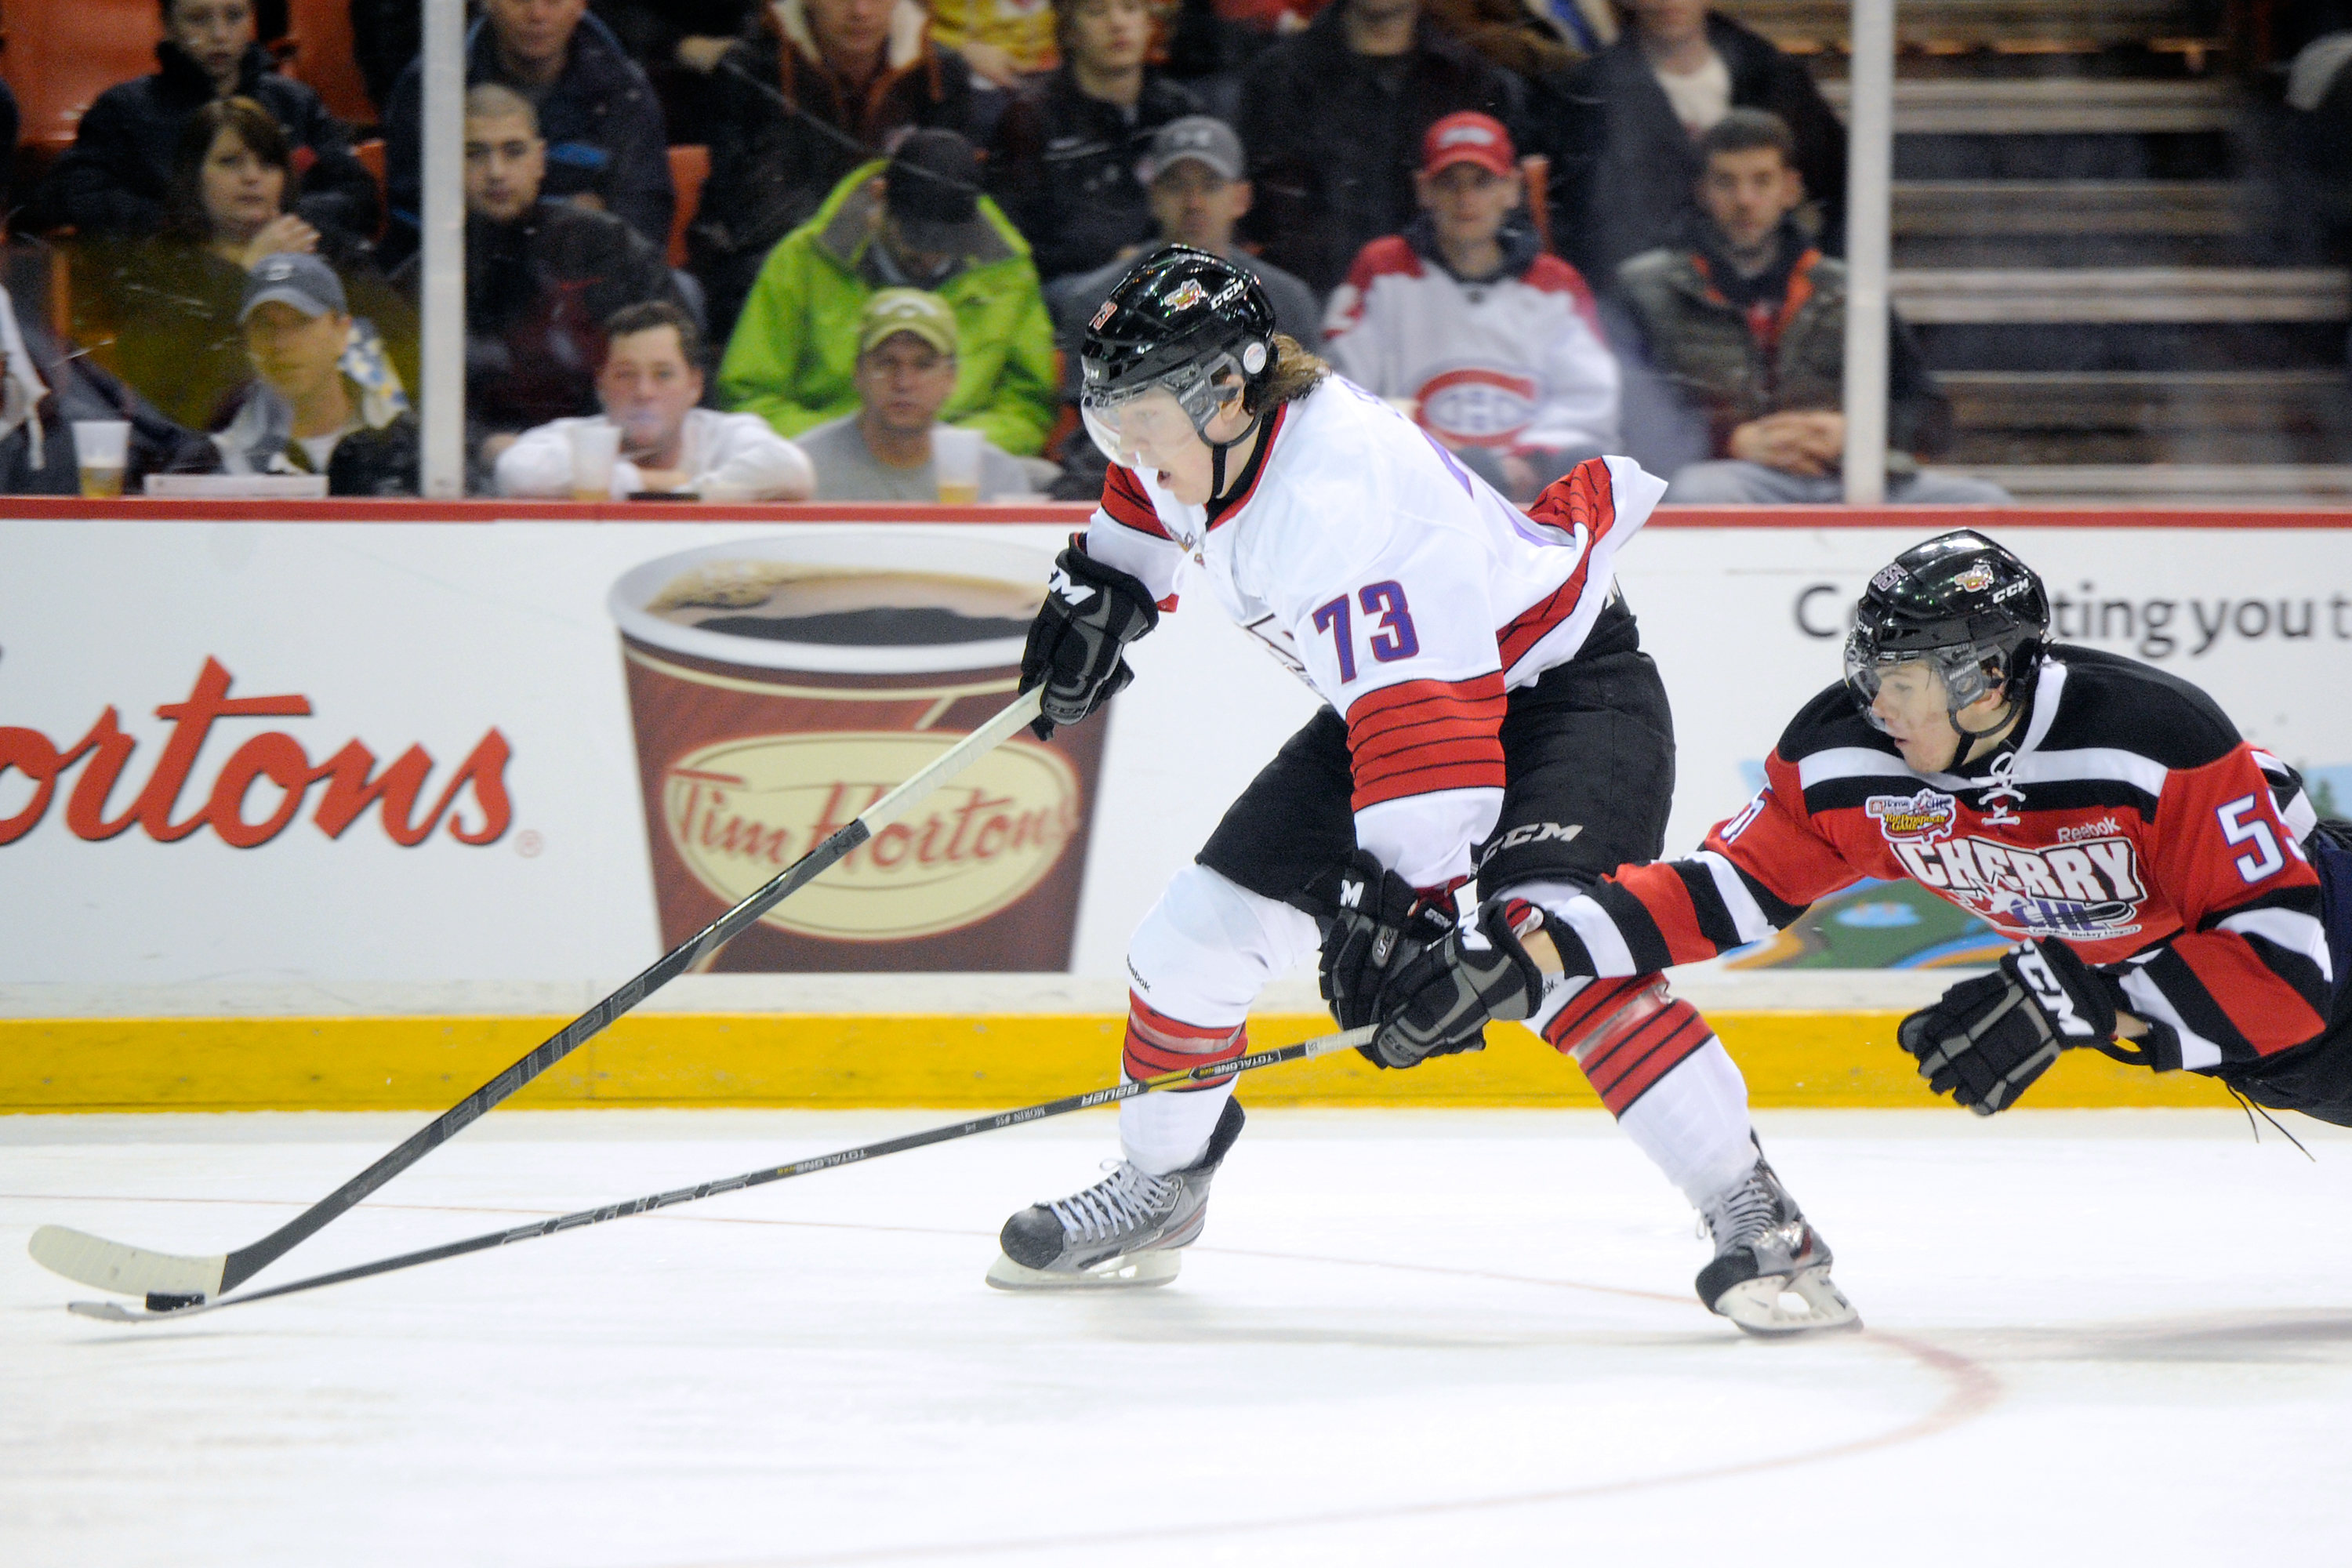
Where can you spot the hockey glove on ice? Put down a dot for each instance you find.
(1440, 1000)
(1987, 1038)
(1090, 614)
(1383, 925)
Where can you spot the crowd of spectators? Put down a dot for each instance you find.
(1542, 236)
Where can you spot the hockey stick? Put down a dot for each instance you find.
(134, 1271)
(115, 1312)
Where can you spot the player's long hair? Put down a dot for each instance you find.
(1298, 371)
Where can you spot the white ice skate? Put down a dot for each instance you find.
(1771, 1268)
(1121, 1233)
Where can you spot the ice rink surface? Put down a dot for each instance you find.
(1407, 1338)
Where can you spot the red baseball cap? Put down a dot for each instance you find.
(1468, 137)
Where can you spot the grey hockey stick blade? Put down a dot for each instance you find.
(136, 1271)
(132, 1271)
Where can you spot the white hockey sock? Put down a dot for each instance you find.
(1693, 1123)
(1163, 1133)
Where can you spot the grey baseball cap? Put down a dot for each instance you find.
(1204, 138)
(305, 282)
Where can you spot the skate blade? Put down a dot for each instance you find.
(1776, 1306)
(1131, 1272)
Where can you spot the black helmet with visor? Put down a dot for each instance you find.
(1964, 605)
(1180, 320)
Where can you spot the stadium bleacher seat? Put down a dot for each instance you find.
(61, 54)
(319, 35)
(689, 165)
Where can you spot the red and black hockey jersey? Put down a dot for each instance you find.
(2126, 819)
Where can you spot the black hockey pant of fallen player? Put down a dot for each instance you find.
(1589, 776)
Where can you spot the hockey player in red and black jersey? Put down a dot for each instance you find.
(2175, 901)
(1487, 710)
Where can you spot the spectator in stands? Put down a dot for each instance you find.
(385, 35)
(1333, 118)
(1064, 165)
(303, 415)
(1678, 69)
(649, 386)
(1193, 177)
(1492, 345)
(114, 179)
(1007, 43)
(542, 278)
(822, 88)
(167, 308)
(1746, 323)
(917, 221)
(906, 373)
(678, 43)
(606, 147)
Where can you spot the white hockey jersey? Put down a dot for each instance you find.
(1517, 364)
(1410, 595)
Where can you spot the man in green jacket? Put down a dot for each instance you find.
(915, 221)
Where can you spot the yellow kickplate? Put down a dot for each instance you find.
(1827, 1059)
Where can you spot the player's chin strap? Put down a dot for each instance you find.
(1217, 450)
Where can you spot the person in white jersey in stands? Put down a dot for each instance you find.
(651, 385)
(1464, 322)
(905, 372)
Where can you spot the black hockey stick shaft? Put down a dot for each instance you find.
(1321, 1046)
(247, 1261)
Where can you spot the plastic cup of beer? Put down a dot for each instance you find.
(101, 447)
(955, 463)
(595, 447)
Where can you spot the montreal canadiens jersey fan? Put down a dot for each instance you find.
(2128, 820)
(1410, 595)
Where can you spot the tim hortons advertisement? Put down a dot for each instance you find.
(278, 753)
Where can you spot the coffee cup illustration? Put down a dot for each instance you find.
(779, 687)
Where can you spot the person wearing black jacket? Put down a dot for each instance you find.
(597, 112)
(1064, 165)
(541, 278)
(1333, 118)
(819, 87)
(1630, 197)
(114, 179)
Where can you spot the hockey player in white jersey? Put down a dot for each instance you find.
(1489, 714)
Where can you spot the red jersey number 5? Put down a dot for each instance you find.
(2237, 828)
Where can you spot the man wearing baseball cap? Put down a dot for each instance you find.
(321, 401)
(914, 220)
(1463, 320)
(1192, 178)
(907, 365)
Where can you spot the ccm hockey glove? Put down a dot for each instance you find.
(1440, 1000)
(1090, 614)
(1381, 925)
(1987, 1038)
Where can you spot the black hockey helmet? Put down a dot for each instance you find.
(1961, 602)
(1180, 319)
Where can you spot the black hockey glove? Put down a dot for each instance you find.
(1090, 614)
(1440, 1002)
(1381, 925)
(1987, 1038)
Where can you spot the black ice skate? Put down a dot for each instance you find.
(1121, 1231)
(1771, 1269)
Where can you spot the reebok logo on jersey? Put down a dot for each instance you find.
(2034, 970)
(2088, 891)
(1928, 814)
